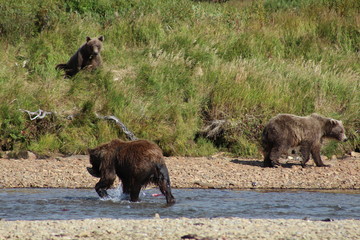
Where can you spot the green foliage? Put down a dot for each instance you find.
(10, 128)
(171, 67)
(46, 145)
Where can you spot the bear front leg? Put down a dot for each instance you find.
(103, 185)
(315, 153)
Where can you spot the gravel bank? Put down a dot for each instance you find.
(219, 228)
(203, 172)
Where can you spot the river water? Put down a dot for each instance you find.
(64, 204)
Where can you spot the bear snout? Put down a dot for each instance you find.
(342, 138)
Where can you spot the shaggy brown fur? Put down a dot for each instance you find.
(87, 56)
(286, 131)
(136, 163)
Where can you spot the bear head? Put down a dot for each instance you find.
(335, 129)
(93, 46)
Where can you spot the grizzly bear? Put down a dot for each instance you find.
(136, 163)
(286, 131)
(86, 57)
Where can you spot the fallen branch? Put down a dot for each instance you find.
(127, 132)
(214, 129)
(40, 114)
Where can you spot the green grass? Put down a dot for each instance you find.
(172, 67)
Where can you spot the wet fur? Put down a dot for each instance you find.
(286, 131)
(136, 163)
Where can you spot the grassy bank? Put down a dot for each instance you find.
(175, 70)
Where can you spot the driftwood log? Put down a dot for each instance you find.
(130, 135)
(40, 114)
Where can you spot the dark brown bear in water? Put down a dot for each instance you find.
(86, 57)
(136, 163)
(286, 131)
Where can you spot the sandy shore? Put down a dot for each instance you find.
(204, 172)
(219, 228)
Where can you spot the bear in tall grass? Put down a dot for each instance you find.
(286, 131)
(86, 57)
(137, 163)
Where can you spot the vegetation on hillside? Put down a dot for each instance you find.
(196, 77)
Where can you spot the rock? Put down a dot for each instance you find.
(157, 216)
(324, 158)
(204, 185)
(199, 72)
(31, 156)
(22, 154)
(355, 154)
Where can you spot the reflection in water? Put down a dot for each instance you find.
(46, 204)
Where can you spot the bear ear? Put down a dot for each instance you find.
(101, 38)
(88, 39)
(334, 121)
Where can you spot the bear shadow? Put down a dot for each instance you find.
(260, 163)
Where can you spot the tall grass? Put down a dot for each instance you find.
(173, 67)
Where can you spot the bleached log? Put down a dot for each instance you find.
(127, 132)
(38, 114)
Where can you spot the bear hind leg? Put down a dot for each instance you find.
(134, 192)
(164, 183)
(305, 154)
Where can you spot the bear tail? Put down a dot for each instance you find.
(60, 66)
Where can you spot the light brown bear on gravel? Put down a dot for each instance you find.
(286, 131)
(86, 57)
(136, 163)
